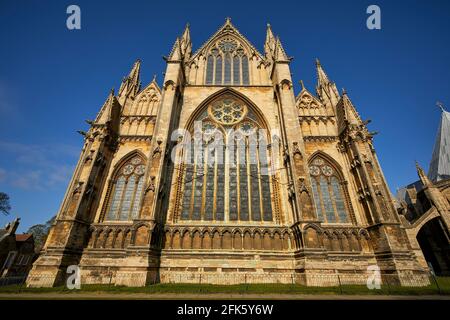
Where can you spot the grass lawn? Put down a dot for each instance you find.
(443, 283)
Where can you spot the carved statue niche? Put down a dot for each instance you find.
(89, 157)
(307, 209)
(151, 185)
(157, 151)
(298, 159)
(296, 150)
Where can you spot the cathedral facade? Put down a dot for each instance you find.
(224, 175)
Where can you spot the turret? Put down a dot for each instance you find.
(131, 84)
(269, 45)
(326, 90)
(185, 43)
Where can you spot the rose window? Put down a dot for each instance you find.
(227, 45)
(128, 169)
(327, 170)
(227, 111)
(140, 169)
(314, 170)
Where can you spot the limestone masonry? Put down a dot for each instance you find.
(302, 199)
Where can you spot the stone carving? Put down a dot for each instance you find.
(296, 150)
(151, 185)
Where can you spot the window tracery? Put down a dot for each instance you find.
(328, 192)
(227, 64)
(126, 189)
(225, 179)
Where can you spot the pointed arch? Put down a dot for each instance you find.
(227, 30)
(329, 189)
(329, 159)
(220, 53)
(145, 101)
(234, 155)
(126, 186)
(264, 123)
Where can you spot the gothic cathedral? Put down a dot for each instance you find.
(302, 195)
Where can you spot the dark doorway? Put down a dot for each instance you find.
(435, 244)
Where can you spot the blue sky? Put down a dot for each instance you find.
(51, 78)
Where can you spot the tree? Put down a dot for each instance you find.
(5, 207)
(40, 233)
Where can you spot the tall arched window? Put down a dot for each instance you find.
(236, 69)
(210, 69)
(126, 190)
(227, 76)
(228, 63)
(218, 77)
(245, 76)
(225, 175)
(328, 192)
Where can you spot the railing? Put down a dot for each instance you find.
(305, 279)
(12, 280)
(338, 283)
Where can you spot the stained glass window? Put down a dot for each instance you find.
(115, 203)
(126, 204)
(209, 70)
(317, 199)
(227, 62)
(198, 181)
(243, 179)
(188, 181)
(137, 199)
(233, 204)
(209, 180)
(220, 195)
(127, 191)
(236, 70)
(326, 198)
(218, 78)
(265, 181)
(227, 76)
(340, 206)
(327, 193)
(248, 196)
(254, 179)
(245, 77)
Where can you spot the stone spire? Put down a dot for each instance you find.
(108, 109)
(326, 90)
(273, 49)
(185, 43)
(351, 115)
(322, 78)
(440, 164)
(346, 114)
(269, 45)
(182, 48)
(175, 53)
(280, 54)
(131, 84)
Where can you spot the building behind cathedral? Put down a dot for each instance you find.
(301, 192)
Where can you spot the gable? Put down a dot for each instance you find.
(227, 31)
(146, 102)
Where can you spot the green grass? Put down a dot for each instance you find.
(180, 288)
